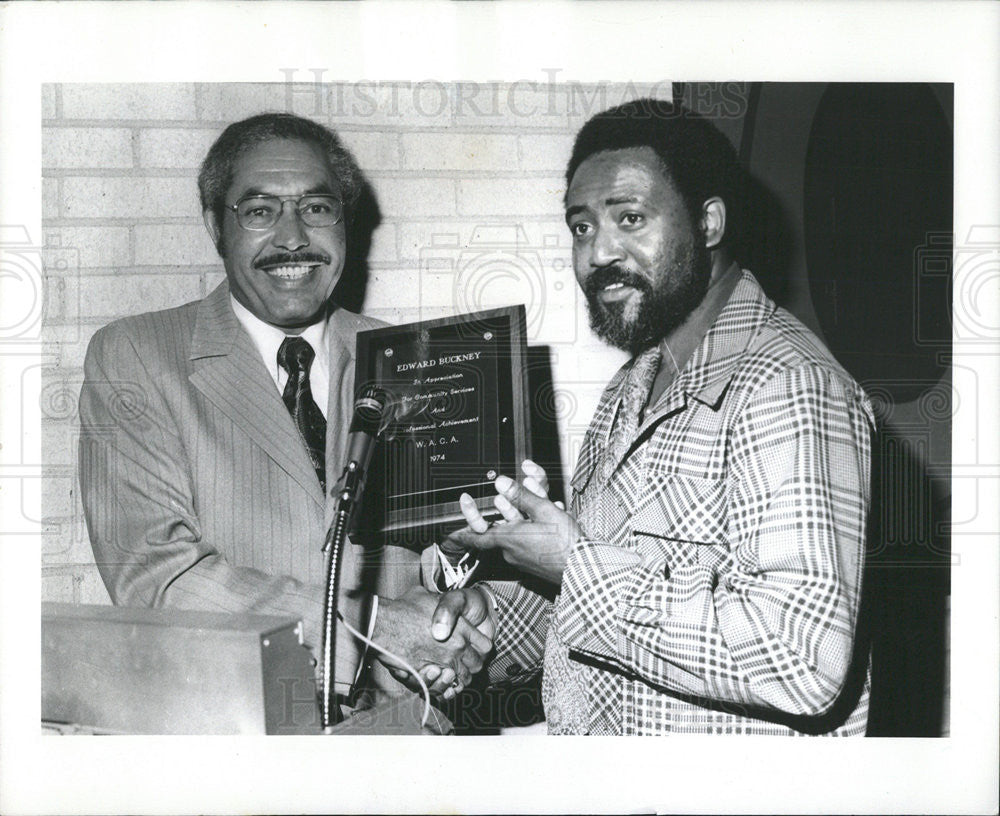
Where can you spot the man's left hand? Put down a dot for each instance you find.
(536, 535)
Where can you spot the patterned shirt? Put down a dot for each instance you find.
(744, 493)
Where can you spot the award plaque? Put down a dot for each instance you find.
(457, 418)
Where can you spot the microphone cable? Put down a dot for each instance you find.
(371, 643)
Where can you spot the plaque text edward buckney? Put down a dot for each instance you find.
(454, 358)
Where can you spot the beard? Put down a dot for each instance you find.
(678, 287)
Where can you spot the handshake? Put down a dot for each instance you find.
(446, 638)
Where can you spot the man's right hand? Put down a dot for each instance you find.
(447, 660)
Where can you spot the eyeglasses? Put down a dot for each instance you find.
(261, 212)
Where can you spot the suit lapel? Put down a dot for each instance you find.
(672, 400)
(229, 372)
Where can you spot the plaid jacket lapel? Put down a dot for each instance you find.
(710, 369)
(705, 377)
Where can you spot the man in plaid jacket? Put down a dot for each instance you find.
(707, 577)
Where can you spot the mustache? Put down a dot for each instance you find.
(607, 275)
(291, 259)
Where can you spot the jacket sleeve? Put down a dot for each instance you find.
(522, 624)
(770, 622)
(142, 511)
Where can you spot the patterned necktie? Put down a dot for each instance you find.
(295, 355)
(634, 397)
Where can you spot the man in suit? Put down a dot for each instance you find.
(211, 432)
(708, 573)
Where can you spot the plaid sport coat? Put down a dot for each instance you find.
(745, 494)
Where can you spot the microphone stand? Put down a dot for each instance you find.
(334, 542)
(369, 413)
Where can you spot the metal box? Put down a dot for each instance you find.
(168, 671)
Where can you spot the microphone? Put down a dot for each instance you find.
(372, 412)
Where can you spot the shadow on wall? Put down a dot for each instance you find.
(852, 232)
(908, 584)
(766, 243)
(350, 290)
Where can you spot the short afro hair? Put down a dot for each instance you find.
(694, 154)
(217, 170)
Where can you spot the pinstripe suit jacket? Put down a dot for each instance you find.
(197, 490)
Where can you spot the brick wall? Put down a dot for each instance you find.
(468, 179)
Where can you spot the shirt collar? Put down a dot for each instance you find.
(732, 332)
(710, 343)
(682, 342)
(268, 338)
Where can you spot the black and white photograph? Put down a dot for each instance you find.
(442, 394)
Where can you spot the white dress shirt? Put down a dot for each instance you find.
(268, 339)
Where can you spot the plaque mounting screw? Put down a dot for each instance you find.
(503, 420)
(488, 335)
(388, 352)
